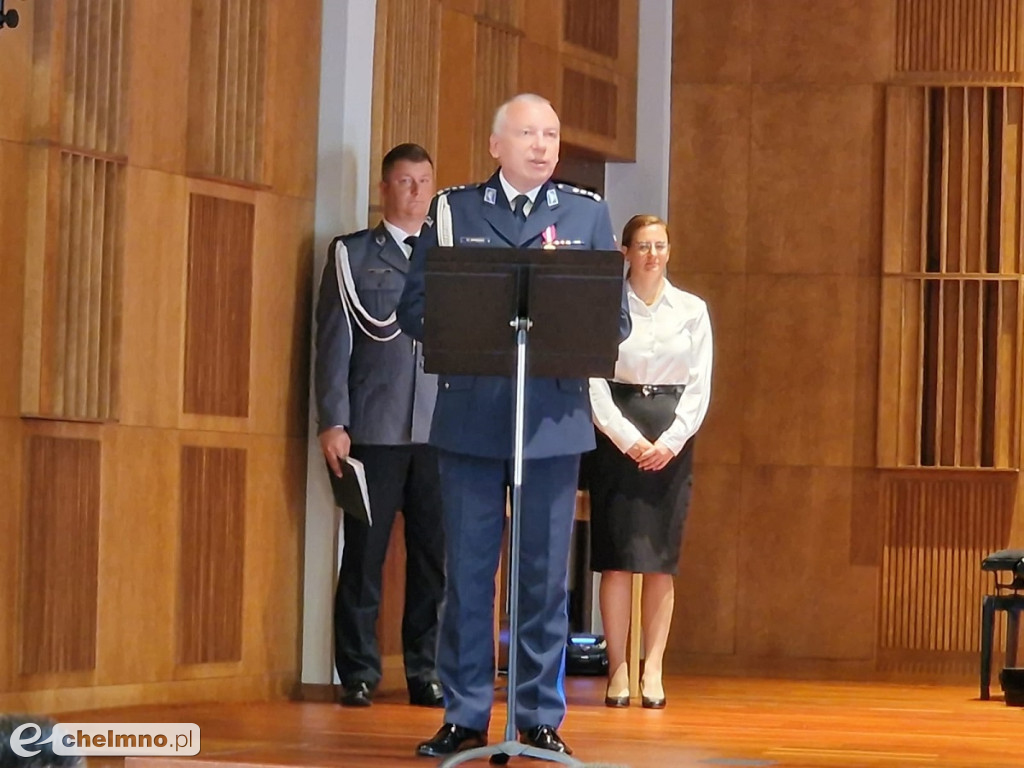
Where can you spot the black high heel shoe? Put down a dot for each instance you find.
(616, 702)
(650, 703)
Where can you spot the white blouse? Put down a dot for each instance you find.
(670, 344)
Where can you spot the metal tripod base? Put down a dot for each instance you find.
(501, 753)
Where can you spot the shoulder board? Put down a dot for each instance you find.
(578, 191)
(457, 188)
(354, 235)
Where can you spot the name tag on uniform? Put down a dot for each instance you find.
(474, 240)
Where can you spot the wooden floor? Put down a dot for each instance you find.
(708, 722)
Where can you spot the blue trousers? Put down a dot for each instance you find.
(473, 490)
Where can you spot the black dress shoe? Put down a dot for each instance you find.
(357, 695)
(426, 694)
(545, 737)
(451, 738)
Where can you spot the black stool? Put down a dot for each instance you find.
(1007, 598)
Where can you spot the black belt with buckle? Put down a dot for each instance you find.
(648, 390)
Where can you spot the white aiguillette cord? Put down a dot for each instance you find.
(354, 309)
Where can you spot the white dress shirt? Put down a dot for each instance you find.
(399, 235)
(512, 193)
(670, 344)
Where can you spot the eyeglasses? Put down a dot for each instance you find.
(644, 247)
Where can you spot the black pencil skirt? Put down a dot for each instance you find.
(637, 516)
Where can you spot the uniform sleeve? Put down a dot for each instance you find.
(333, 349)
(609, 419)
(693, 404)
(411, 305)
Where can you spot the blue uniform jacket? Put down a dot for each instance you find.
(473, 414)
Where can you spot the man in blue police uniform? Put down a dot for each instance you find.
(375, 401)
(518, 207)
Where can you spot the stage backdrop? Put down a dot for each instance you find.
(157, 166)
(846, 192)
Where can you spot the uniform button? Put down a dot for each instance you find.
(446, 385)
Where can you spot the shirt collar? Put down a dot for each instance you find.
(397, 233)
(667, 296)
(511, 192)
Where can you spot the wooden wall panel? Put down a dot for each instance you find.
(454, 154)
(59, 555)
(11, 484)
(281, 289)
(212, 554)
(14, 170)
(721, 435)
(158, 107)
(153, 330)
(802, 141)
(805, 41)
(710, 569)
(293, 87)
(961, 37)
(227, 89)
(592, 24)
(497, 59)
(218, 306)
(406, 73)
(72, 316)
(797, 585)
(710, 200)
(937, 530)
(16, 56)
(711, 42)
(93, 111)
(810, 371)
(139, 539)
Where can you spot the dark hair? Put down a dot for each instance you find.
(638, 222)
(414, 153)
(46, 757)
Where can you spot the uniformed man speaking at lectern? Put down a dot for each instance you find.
(518, 207)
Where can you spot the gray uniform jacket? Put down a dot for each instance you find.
(369, 375)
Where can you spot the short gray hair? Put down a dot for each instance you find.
(500, 112)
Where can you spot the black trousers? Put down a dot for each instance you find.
(402, 478)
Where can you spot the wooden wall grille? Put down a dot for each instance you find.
(92, 112)
(212, 554)
(407, 96)
(227, 83)
(505, 12)
(589, 103)
(959, 36)
(59, 557)
(592, 24)
(77, 327)
(218, 314)
(936, 533)
(951, 294)
(497, 57)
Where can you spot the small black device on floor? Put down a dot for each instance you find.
(586, 654)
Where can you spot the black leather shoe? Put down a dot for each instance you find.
(545, 737)
(426, 694)
(357, 695)
(451, 738)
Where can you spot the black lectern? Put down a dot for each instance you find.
(503, 312)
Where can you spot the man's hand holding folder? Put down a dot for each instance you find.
(350, 489)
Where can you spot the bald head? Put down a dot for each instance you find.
(525, 140)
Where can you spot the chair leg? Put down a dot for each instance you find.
(988, 617)
(1012, 636)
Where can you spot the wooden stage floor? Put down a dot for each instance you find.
(708, 722)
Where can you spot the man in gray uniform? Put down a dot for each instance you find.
(375, 403)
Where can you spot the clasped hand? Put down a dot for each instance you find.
(648, 455)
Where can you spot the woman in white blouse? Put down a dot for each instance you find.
(642, 470)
